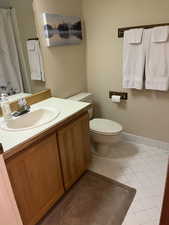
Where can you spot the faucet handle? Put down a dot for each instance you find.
(22, 102)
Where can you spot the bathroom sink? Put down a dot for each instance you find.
(33, 119)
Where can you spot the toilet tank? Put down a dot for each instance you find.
(84, 97)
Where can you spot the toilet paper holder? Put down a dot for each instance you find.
(123, 95)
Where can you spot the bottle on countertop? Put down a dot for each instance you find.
(5, 106)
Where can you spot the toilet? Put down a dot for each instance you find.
(104, 133)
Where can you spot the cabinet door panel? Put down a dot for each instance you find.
(74, 145)
(35, 176)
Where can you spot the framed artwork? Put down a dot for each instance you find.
(62, 30)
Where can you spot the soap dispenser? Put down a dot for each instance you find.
(5, 106)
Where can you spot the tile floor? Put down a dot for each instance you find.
(142, 167)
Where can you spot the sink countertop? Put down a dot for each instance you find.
(66, 107)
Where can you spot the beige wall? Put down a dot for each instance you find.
(146, 113)
(25, 19)
(64, 65)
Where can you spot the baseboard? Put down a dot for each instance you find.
(144, 140)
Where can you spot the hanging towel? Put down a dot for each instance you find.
(30, 45)
(134, 36)
(133, 59)
(35, 60)
(157, 60)
(160, 34)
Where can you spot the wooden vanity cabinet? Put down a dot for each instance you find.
(74, 149)
(35, 176)
(41, 172)
(44, 168)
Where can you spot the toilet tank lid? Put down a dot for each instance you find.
(81, 96)
(105, 126)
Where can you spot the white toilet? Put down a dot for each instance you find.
(104, 133)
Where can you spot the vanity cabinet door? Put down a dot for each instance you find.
(35, 176)
(74, 146)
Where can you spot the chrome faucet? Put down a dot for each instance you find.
(23, 107)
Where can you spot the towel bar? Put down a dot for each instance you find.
(121, 30)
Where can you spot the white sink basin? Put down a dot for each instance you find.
(33, 119)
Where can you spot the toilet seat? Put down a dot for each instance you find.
(105, 127)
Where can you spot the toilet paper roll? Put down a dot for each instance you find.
(115, 98)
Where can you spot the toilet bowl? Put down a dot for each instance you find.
(104, 133)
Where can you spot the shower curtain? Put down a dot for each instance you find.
(10, 72)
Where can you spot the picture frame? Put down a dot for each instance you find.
(62, 30)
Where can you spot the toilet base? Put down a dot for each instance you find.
(102, 149)
(102, 145)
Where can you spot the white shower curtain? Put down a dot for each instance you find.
(10, 73)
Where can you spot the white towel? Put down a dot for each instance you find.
(160, 34)
(35, 60)
(31, 45)
(157, 61)
(134, 36)
(133, 63)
